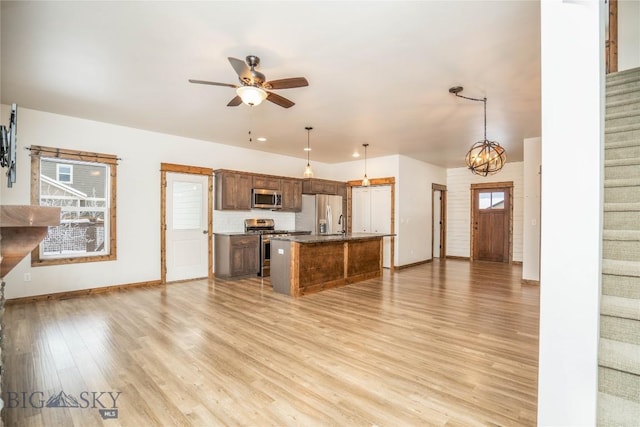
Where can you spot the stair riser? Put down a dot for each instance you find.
(620, 94)
(627, 105)
(622, 220)
(622, 195)
(629, 152)
(617, 383)
(618, 172)
(618, 153)
(621, 250)
(628, 84)
(618, 329)
(613, 135)
(633, 118)
(621, 286)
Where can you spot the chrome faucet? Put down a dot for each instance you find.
(340, 218)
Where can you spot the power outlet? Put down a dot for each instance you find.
(27, 277)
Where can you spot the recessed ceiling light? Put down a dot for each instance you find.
(262, 139)
(356, 154)
(307, 149)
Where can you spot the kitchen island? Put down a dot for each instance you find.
(312, 263)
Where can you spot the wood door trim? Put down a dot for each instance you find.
(611, 44)
(192, 170)
(443, 218)
(489, 186)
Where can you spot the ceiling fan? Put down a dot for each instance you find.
(254, 88)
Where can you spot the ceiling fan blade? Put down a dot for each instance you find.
(279, 100)
(287, 83)
(204, 82)
(235, 101)
(241, 69)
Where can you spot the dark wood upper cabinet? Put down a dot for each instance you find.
(323, 186)
(232, 190)
(291, 194)
(266, 182)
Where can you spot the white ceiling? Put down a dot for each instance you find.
(378, 72)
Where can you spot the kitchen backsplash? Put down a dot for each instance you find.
(233, 221)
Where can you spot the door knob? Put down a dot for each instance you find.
(205, 231)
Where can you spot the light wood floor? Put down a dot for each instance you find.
(446, 343)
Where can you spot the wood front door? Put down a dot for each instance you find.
(491, 223)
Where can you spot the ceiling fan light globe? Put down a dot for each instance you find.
(251, 95)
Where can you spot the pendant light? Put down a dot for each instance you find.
(365, 180)
(308, 173)
(484, 157)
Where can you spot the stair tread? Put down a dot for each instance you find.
(612, 145)
(622, 128)
(630, 113)
(628, 308)
(619, 355)
(616, 411)
(622, 182)
(622, 207)
(620, 102)
(621, 235)
(629, 161)
(621, 268)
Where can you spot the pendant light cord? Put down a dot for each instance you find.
(484, 100)
(308, 128)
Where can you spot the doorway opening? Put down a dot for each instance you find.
(438, 220)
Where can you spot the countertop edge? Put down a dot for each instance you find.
(316, 238)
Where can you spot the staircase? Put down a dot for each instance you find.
(619, 352)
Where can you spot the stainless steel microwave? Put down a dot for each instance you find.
(266, 199)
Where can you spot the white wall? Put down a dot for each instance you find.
(531, 222)
(628, 34)
(412, 204)
(415, 209)
(572, 134)
(459, 182)
(138, 198)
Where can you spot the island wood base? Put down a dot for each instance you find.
(302, 268)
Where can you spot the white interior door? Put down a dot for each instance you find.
(437, 222)
(360, 210)
(381, 218)
(187, 233)
(371, 213)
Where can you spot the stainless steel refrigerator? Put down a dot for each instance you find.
(321, 214)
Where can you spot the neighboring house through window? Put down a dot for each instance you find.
(64, 173)
(83, 185)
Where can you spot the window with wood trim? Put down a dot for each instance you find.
(83, 185)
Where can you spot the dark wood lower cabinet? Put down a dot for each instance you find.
(236, 255)
(315, 263)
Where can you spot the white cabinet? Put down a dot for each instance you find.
(371, 213)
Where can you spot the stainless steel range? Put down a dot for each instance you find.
(266, 228)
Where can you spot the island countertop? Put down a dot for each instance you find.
(319, 238)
